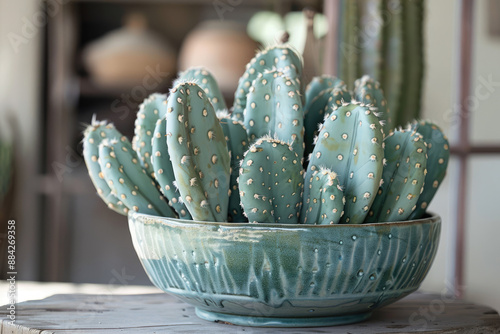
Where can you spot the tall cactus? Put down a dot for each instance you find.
(236, 137)
(94, 134)
(350, 144)
(274, 108)
(198, 151)
(271, 182)
(205, 80)
(403, 177)
(325, 204)
(151, 110)
(438, 155)
(163, 171)
(280, 57)
(128, 180)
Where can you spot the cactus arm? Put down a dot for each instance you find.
(129, 181)
(198, 151)
(207, 82)
(438, 155)
(403, 177)
(325, 204)
(271, 182)
(94, 134)
(319, 84)
(163, 171)
(350, 143)
(321, 106)
(237, 143)
(281, 57)
(152, 109)
(368, 91)
(274, 107)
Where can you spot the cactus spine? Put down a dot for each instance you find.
(198, 151)
(403, 177)
(350, 143)
(438, 155)
(368, 91)
(325, 204)
(319, 84)
(163, 171)
(271, 182)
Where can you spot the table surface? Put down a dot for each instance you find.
(109, 312)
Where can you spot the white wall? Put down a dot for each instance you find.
(20, 98)
(483, 222)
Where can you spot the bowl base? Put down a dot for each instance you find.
(281, 322)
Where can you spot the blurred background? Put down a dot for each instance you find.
(61, 61)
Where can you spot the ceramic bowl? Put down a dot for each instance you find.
(285, 275)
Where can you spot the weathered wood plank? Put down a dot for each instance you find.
(162, 313)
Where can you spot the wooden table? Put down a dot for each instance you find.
(162, 313)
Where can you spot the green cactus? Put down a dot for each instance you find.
(438, 155)
(237, 143)
(280, 57)
(128, 180)
(274, 107)
(163, 171)
(371, 27)
(205, 80)
(94, 134)
(348, 46)
(403, 177)
(198, 151)
(350, 143)
(151, 110)
(368, 91)
(271, 182)
(320, 107)
(391, 77)
(325, 204)
(319, 84)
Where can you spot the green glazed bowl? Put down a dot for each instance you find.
(285, 275)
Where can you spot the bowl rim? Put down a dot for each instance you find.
(431, 217)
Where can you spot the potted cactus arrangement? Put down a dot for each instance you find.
(284, 209)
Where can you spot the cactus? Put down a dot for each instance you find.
(371, 25)
(368, 91)
(348, 48)
(350, 143)
(438, 154)
(237, 143)
(163, 171)
(281, 57)
(152, 109)
(271, 182)
(403, 177)
(205, 80)
(198, 152)
(319, 84)
(325, 204)
(274, 108)
(128, 180)
(320, 107)
(94, 134)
